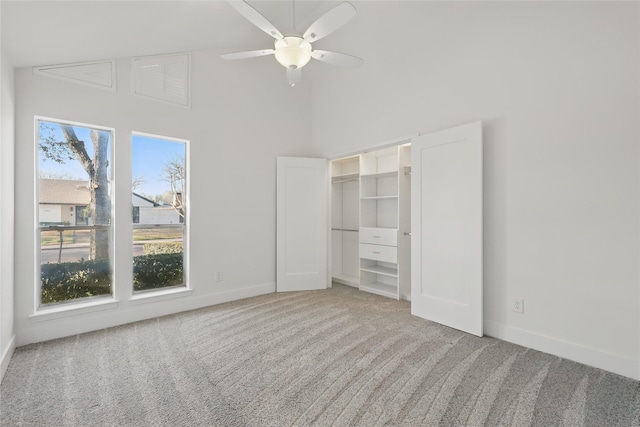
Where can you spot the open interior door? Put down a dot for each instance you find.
(302, 224)
(446, 227)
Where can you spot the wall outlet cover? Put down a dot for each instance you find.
(517, 305)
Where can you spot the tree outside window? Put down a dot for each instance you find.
(74, 211)
(159, 212)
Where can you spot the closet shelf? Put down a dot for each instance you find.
(392, 272)
(380, 174)
(380, 289)
(338, 179)
(378, 197)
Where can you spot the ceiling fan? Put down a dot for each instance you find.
(294, 51)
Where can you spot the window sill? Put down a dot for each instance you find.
(146, 297)
(72, 309)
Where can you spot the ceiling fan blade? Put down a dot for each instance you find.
(255, 17)
(294, 75)
(330, 22)
(248, 54)
(335, 58)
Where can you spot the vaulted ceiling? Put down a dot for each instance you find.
(55, 32)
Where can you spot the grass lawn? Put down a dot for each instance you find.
(68, 236)
(82, 236)
(157, 234)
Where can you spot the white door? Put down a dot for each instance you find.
(302, 212)
(446, 227)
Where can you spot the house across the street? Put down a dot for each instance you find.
(147, 211)
(66, 202)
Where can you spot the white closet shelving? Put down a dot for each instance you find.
(345, 175)
(380, 222)
(370, 220)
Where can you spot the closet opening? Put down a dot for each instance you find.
(371, 221)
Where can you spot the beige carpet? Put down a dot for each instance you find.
(336, 357)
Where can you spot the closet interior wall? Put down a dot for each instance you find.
(345, 194)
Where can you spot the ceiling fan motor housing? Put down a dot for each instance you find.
(293, 51)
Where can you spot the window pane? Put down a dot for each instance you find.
(158, 258)
(74, 212)
(67, 271)
(158, 211)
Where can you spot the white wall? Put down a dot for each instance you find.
(242, 117)
(7, 341)
(557, 87)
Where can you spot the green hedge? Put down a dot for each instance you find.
(162, 248)
(72, 280)
(157, 271)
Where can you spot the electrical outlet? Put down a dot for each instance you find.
(219, 276)
(517, 305)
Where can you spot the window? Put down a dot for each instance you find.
(97, 74)
(159, 212)
(163, 78)
(74, 211)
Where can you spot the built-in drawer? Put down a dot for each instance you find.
(379, 252)
(379, 236)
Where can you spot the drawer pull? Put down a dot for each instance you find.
(376, 237)
(376, 252)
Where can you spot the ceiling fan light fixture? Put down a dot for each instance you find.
(293, 52)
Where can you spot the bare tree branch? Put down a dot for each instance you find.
(174, 172)
(137, 182)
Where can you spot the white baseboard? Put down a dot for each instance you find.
(571, 351)
(6, 357)
(92, 321)
(236, 294)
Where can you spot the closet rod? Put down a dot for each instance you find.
(343, 229)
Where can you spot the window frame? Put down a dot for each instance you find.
(97, 299)
(186, 288)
